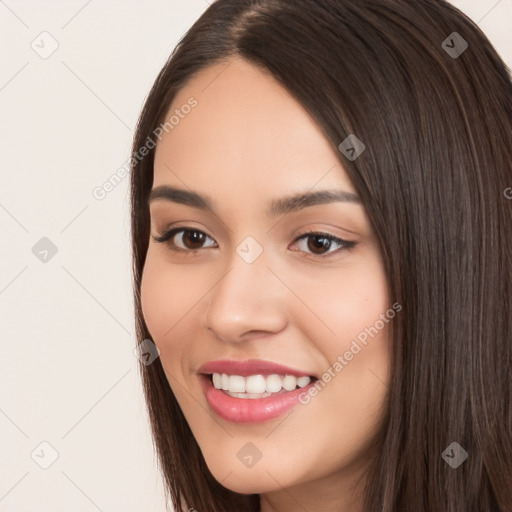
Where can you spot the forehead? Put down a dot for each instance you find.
(245, 130)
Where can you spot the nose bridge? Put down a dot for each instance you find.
(246, 298)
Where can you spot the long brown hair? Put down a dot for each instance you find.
(437, 126)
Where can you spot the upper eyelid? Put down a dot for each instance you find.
(346, 245)
(178, 229)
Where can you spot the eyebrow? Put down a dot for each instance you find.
(277, 206)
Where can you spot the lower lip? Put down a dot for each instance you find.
(250, 410)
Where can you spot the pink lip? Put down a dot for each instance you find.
(250, 367)
(250, 410)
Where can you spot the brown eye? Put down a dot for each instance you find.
(183, 239)
(193, 239)
(317, 244)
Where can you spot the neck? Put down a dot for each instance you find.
(338, 492)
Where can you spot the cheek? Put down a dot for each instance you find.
(351, 300)
(357, 302)
(352, 333)
(167, 297)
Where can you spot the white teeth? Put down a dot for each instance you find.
(257, 386)
(290, 382)
(217, 380)
(273, 384)
(248, 395)
(303, 381)
(236, 384)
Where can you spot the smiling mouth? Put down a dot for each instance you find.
(257, 386)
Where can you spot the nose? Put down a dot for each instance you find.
(247, 301)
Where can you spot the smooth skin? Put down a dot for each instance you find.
(300, 303)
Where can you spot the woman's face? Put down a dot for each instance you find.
(240, 287)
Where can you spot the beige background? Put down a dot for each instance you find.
(68, 376)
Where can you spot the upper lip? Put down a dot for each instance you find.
(250, 367)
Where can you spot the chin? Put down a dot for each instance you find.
(245, 481)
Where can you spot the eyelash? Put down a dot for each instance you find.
(346, 245)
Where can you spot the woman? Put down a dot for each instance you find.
(322, 244)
